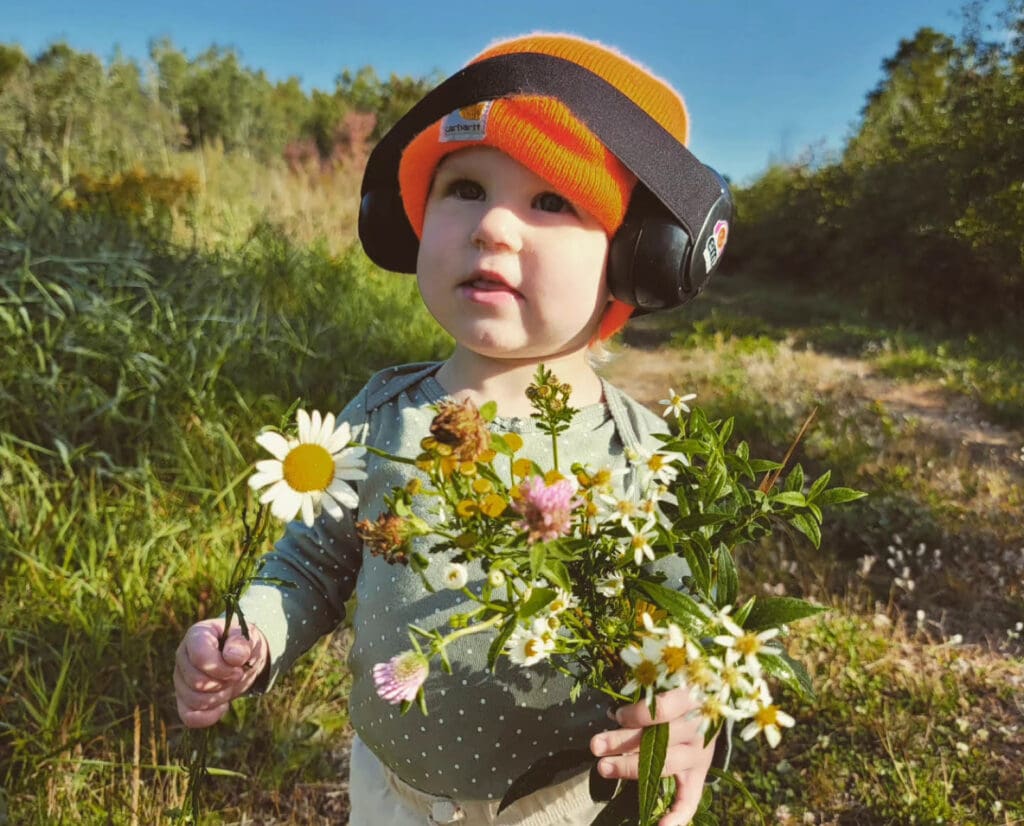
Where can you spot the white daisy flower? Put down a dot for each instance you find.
(677, 404)
(309, 473)
(563, 601)
(455, 576)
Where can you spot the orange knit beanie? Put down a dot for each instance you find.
(542, 134)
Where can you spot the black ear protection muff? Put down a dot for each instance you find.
(678, 217)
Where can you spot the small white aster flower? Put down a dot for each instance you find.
(495, 578)
(309, 473)
(646, 665)
(714, 707)
(657, 466)
(611, 585)
(638, 542)
(766, 719)
(746, 643)
(677, 404)
(455, 576)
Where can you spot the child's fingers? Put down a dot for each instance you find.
(200, 718)
(626, 740)
(678, 759)
(189, 678)
(670, 705)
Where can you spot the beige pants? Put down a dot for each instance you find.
(378, 796)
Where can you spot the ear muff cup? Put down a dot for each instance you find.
(648, 256)
(677, 221)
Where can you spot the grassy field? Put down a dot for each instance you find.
(137, 361)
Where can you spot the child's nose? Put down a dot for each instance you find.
(498, 228)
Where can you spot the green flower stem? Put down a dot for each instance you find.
(469, 629)
(376, 451)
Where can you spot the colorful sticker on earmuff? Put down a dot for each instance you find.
(715, 244)
(466, 124)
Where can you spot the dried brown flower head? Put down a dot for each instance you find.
(387, 537)
(462, 428)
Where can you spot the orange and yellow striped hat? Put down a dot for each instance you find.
(543, 134)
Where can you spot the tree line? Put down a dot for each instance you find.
(921, 215)
(94, 116)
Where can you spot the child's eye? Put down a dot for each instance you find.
(465, 190)
(552, 202)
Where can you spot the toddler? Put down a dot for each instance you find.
(507, 208)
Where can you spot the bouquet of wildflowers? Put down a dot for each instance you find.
(568, 554)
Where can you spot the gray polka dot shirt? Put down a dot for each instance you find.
(484, 729)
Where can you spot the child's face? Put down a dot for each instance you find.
(507, 265)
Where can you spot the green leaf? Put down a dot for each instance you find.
(539, 598)
(772, 612)
(819, 485)
(789, 671)
(683, 608)
(700, 567)
(790, 497)
(556, 572)
(808, 526)
(499, 642)
(499, 445)
(489, 411)
(728, 581)
(795, 480)
(547, 771)
(653, 747)
(764, 465)
(837, 496)
(538, 553)
(698, 520)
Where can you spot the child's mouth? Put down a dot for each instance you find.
(488, 288)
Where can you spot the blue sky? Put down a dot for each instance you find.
(763, 79)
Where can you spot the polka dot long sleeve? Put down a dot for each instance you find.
(484, 729)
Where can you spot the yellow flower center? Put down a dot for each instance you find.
(532, 648)
(646, 673)
(656, 462)
(674, 658)
(748, 644)
(308, 467)
(767, 716)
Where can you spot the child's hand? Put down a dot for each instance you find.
(206, 679)
(687, 758)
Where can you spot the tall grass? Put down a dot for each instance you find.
(133, 374)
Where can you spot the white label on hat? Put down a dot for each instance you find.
(466, 124)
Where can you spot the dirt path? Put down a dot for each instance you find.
(648, 370)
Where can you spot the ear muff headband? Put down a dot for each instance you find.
(694, 195)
